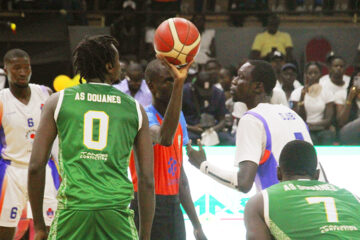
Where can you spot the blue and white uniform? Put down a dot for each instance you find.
(261, 135)
(18, 125)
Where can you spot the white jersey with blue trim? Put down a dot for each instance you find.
(261, 135)
(19, 123)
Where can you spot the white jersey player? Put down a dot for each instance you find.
(261, 134)
(20, 110)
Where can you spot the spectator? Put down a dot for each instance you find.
(277, 61)
(225, 77)
(336, 81)
(350, 113)
(248, 5)
(204, 109)
(213, 68)
(198, 5)
(207, 46)
(148, 51)
(72, 5)
(315, 104)
(135, 85)
(127, 31)
(357, 58)
(272, 39)
(167, 8)
(287, 79)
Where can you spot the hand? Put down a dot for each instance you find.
(199, 234)
(195, 157)
(40, 235)
(177, 74)
(354, 91)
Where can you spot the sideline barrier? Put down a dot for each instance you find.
(221, 209)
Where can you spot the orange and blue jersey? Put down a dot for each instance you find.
(167, 160)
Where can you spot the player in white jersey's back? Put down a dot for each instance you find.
(20, 110)
(261, 134)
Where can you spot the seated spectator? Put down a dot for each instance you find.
(277, 61)
(225, 78)
(315, 104)
(350, 113)
(336, 81)
(127, 31)
(245, 6)
(287, 79)
(213, 68)
(199, 4)
(135, 85)
(357, 58)
(207, 47)
(272, 39)
(204, 109)
(147, 48)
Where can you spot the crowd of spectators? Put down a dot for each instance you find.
(329, 104)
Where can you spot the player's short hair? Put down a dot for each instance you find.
(263, 72)
(153, 69)
(311, 63)
(15, 53)
(92, 54)
(298, 158)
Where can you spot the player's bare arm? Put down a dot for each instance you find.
(45, 136)
(256, 228)
(164, 134)
(144, 161)
(187, 203)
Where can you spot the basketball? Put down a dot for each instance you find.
(178, 40)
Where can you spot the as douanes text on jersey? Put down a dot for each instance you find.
(94, 97)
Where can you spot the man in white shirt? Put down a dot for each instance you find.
(336, 81)
(262, 132)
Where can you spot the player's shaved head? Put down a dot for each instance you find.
(15, 53)
(153, 70)
(298, 158)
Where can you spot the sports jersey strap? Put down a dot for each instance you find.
(267, 152)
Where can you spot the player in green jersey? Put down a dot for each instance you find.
(98, 126)
(301, 207)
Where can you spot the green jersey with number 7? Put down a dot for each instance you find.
(96, 136)
(310, 209)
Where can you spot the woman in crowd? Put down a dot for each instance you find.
(315, 105)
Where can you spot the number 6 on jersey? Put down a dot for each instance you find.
(89, 140)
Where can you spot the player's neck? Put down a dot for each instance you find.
(296, 177)
(262, 98)
(21, 93)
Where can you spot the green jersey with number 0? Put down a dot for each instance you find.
(304, 209)
(97, 125)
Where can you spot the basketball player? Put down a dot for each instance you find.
(20, 110)
(261, 134)
(169, 134)
(97, 126)
(301, 207)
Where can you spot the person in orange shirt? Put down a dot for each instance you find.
(169, 134)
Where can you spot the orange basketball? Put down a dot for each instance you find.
(178, 40)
